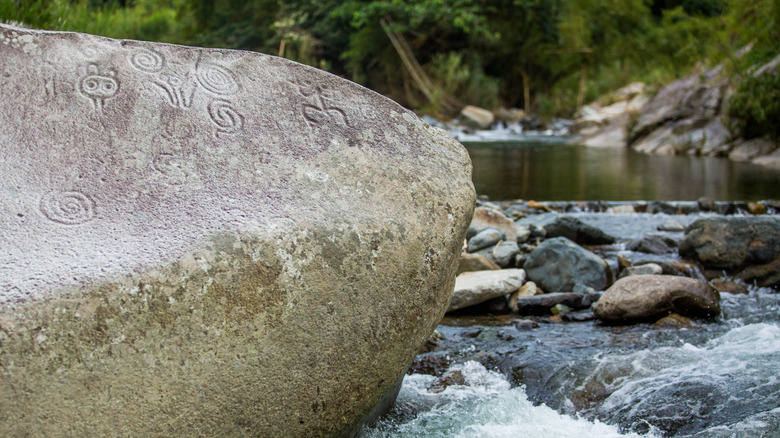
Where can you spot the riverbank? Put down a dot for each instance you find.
(500, 368)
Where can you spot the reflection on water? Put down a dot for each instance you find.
(561, 172)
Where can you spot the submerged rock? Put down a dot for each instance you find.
(642, 297)
(560, 265)
(473, 288)
(203, 242)
(747, 247)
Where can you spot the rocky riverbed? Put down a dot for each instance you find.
(605, 319)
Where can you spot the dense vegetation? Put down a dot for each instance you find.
(547, 56)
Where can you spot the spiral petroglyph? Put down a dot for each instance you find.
(227, 119)
(147, 61)
(68, 208)
(217, 79)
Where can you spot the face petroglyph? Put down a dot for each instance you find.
(98, 86)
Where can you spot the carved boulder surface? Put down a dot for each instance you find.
(199, 242)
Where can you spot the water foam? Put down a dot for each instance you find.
(484, 406)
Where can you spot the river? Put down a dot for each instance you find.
(491, 376)
(548, 169)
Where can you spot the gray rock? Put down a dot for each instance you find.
(523, 233)
(652, 245)
(645, 297)
(504, 253)
(646, 269)
(485, 239)
(772, 160)
(475, 262)
(472, 288)
(748, 247)
(560, 265)
(577, 231)
(751, 149)
(541, 304)
(203, 242)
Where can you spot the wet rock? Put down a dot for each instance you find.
(729, 286)
(558, 264)
(756, 208)
(476, 287)
(674, 320)
(485, 217)
(622, 263)
(560, 309)
(432, 343)
(529, 289)
(475, 262)
(748, 247)
(211, 242)
(485, 239)
(646, 269)
(523, 233)
(525, 325)
(642, 297)
(652, 245)
(576, 231)
(541, 304)
(622, 209)
(671, 225)
(504, 253)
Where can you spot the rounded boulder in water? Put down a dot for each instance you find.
(206, 242)
(560, 265)
(645, 297)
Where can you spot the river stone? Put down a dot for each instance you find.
(560, 265)
(202, 242)
(748, 247)
(485, 239)
(485, 217)
(577, 231)
(504, 253)
(473, 288)
(643, 297)
(475, 262)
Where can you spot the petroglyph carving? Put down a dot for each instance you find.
(179, 89)
(68, 208)
(320, 108)
(98, 87)
(146, 61)
(176, 169)
(216, 79)
(227, 119)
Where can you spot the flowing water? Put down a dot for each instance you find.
(492, 376)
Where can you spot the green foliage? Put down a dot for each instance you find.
(755, 107)
(480, 51)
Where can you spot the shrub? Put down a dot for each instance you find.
(755, 107)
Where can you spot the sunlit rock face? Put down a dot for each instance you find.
(199, 242)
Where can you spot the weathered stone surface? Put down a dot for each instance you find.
(477, 287)
(475, 262)
(541, 304)
(210, 242)
(652, 244)
(560, 265)
(646, 269)
(643, 297)
(751, 149)
(748, 247)
(504, 253)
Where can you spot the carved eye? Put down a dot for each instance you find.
(108, 86)
(90, 84)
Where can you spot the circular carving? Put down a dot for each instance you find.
(227, 119)
(147, 61)
(68, 208)
(216, 79)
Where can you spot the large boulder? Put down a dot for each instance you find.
(560, 265)
(747, 247)
(646, 297)
(207, 242)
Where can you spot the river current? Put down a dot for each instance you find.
(492, 376)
